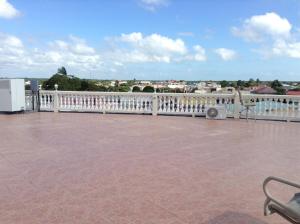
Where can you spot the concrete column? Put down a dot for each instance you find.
(55, 97)
(237, 106)
(154, 104)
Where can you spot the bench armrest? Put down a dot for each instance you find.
(270, 198)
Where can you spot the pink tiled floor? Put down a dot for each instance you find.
(93, 168)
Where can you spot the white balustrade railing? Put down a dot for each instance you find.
(279, 107)
(47, 100)
(158, 103)
(104, 102)
(193, 104)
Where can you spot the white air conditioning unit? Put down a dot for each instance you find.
(12, 95)
(216, 113)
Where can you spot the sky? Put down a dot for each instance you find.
(151, 39)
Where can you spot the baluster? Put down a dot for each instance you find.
(196, 110)
(179, 100)
(141, 103)
(158, 104)
(188, 104)
(293, 108)
(116, 102)
(84, 102)
(126, 103)
(79, 102)
(112, 103)
(101, 103)
(70, 101)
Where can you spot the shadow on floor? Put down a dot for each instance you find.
(234, 218)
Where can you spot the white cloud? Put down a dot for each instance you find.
(226, 54)
(7, 10)
(135, 47)
(258, 27)
(74, 53)
(284, 48)
(77, 55)
(11, 50)
(155, 43)
(76, 46)
(200, 53)
(273, 33)
(153, 5)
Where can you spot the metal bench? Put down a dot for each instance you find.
(291, 210)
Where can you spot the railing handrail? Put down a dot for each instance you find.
(267, 96)
(172, 94)
(137, 93)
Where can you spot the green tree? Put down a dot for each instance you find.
(136, 89)
(88, 85)
(148, 89)
(62, 71)
(240, 83)
(224, 83)
(123, 88)
(251, 82)
(233, 84)
(64, 82)
(277, 85)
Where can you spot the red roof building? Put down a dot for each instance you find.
(293, 92)
(264, 90)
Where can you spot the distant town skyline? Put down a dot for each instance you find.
(151, 39)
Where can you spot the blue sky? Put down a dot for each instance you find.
(151, 39)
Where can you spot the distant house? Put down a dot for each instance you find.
(264, 90)
(293, 92)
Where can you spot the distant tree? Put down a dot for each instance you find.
(158, 90)
(224, 83)
(233, 84)
(123, 88)
(62, 71)
(277, 85)
(240, 83)
(88, 85)
(84, 85)
(136, 89)
(101, 88)
(64, 82)
(148, 89)
(257, 81)
(251, 82)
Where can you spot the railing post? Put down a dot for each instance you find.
(237, 106)
(154, 104)
(55, 102)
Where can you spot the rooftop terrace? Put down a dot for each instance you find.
(93, 168)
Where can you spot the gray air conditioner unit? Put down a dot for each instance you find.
(12, 95)
(216, 113)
